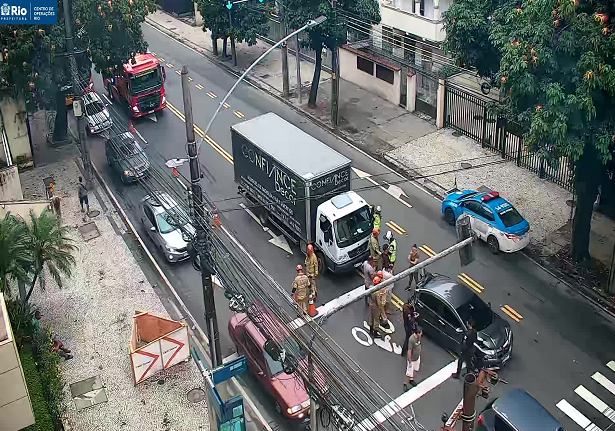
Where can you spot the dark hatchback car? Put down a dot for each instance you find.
(516, 411)
(445, 306)
(125, 155)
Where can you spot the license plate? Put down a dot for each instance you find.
(358, 264)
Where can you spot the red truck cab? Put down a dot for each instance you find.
(140, 84)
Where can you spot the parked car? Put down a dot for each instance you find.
(167, 224)
(445, 307)
(97, 115)
(516, 410)
(125, 155)
(291, 397)
(493, 219)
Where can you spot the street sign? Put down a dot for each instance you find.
(230, 370)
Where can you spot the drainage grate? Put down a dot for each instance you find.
(88, 393)
(196, 395)
(89, 231)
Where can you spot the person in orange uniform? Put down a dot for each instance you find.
(311, 269)
(374, 311)
(301, 285)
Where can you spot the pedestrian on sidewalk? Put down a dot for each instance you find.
(414, 259)
(414, 357)
(83, 195)
(311, 268)
(374, 249)
(377, 217)
(301, 285)
(410, 324)
(467, 349)
(392, 247)
(369, 273)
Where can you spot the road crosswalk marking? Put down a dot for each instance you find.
(606, 383)
(596, 402)
(578, 417)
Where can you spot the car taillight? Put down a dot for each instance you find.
(512, 236)
(480, 419)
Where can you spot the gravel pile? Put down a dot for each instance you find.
(92, 316)
(541, 202)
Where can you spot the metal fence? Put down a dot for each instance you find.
(468, 114)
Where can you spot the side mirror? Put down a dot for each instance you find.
(153, 228)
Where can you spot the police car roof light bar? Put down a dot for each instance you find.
(489, 196)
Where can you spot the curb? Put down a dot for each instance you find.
(388, 162)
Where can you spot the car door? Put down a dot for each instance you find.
(485, 220)
(256, 360)
(452, 328)
(149, 221)
(427, 305)
(470, 208)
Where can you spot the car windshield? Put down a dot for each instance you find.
(164, 225)
(476, 309)
(145, 80)
(510, 217)
(94, 107)
(353, 227)
(129, 147)
(292, 347)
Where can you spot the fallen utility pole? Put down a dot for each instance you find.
(202, 246)
(70, 51)
(405, 273)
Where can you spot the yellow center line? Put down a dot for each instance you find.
(512, 313)
(178, 72)
(471, 282)
(212, 95)
(189, 79)
(226, 105)
(161, 59)
(170, 65)
(429, 252)
(398, 227)
(395, 227)
(238, 114)
(199, 86)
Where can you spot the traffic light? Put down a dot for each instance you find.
(464, 231)
(229, 4)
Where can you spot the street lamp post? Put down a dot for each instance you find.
(310, 24)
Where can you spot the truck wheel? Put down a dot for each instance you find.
(322, 267)
(449, 216)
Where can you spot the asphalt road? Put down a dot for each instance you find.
(560, 341)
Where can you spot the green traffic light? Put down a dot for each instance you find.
(229, 5)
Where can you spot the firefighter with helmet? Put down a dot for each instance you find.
(311, 269)
(374, 312)
(392, 246)
(301, 286)
(374, 249)
(377, 217)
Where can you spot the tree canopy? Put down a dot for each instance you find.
(331, 33)
(554, 60)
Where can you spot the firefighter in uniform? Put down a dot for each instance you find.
(377, 217)
(311, 268)
(301, 285)
(374, 312)
(392, 247)
(374, 249)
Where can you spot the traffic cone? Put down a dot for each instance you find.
(312, 308)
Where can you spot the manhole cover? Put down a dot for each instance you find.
(196, 395)
(88, 393)
(94, 213)
(89, 231)
(466, 165)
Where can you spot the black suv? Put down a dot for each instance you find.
(125, 155)
(445, 307)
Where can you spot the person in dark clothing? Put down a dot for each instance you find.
(409, 324)
(386, 260)
(467, 349)
(82, 190)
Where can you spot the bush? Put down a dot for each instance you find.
(48, 365)
(44, 422)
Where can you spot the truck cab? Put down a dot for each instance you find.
(344, 225)
(139, 84)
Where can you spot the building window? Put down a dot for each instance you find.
(385, 74)
(365, 65)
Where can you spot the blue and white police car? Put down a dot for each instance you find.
(493, 219)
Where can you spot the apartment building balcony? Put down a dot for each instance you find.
(422, 18)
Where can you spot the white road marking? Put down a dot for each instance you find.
(611, 365)
(606, 383)
(394, 192)
(277, 240)
(107, 99)
(578, 417)
(407, 398)
(596, 402)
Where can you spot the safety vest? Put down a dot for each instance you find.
(393, 250)
(376, 221)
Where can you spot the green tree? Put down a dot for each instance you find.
(15, 257)
(50, 247)
(331, 33)
(249, 20)
(34, 67)
(557, 69)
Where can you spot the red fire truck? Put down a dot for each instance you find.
(140, 84)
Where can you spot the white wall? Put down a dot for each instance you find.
(14, 122)
(22, 208)
(10, 186)
(349, 72)
(411, 23)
